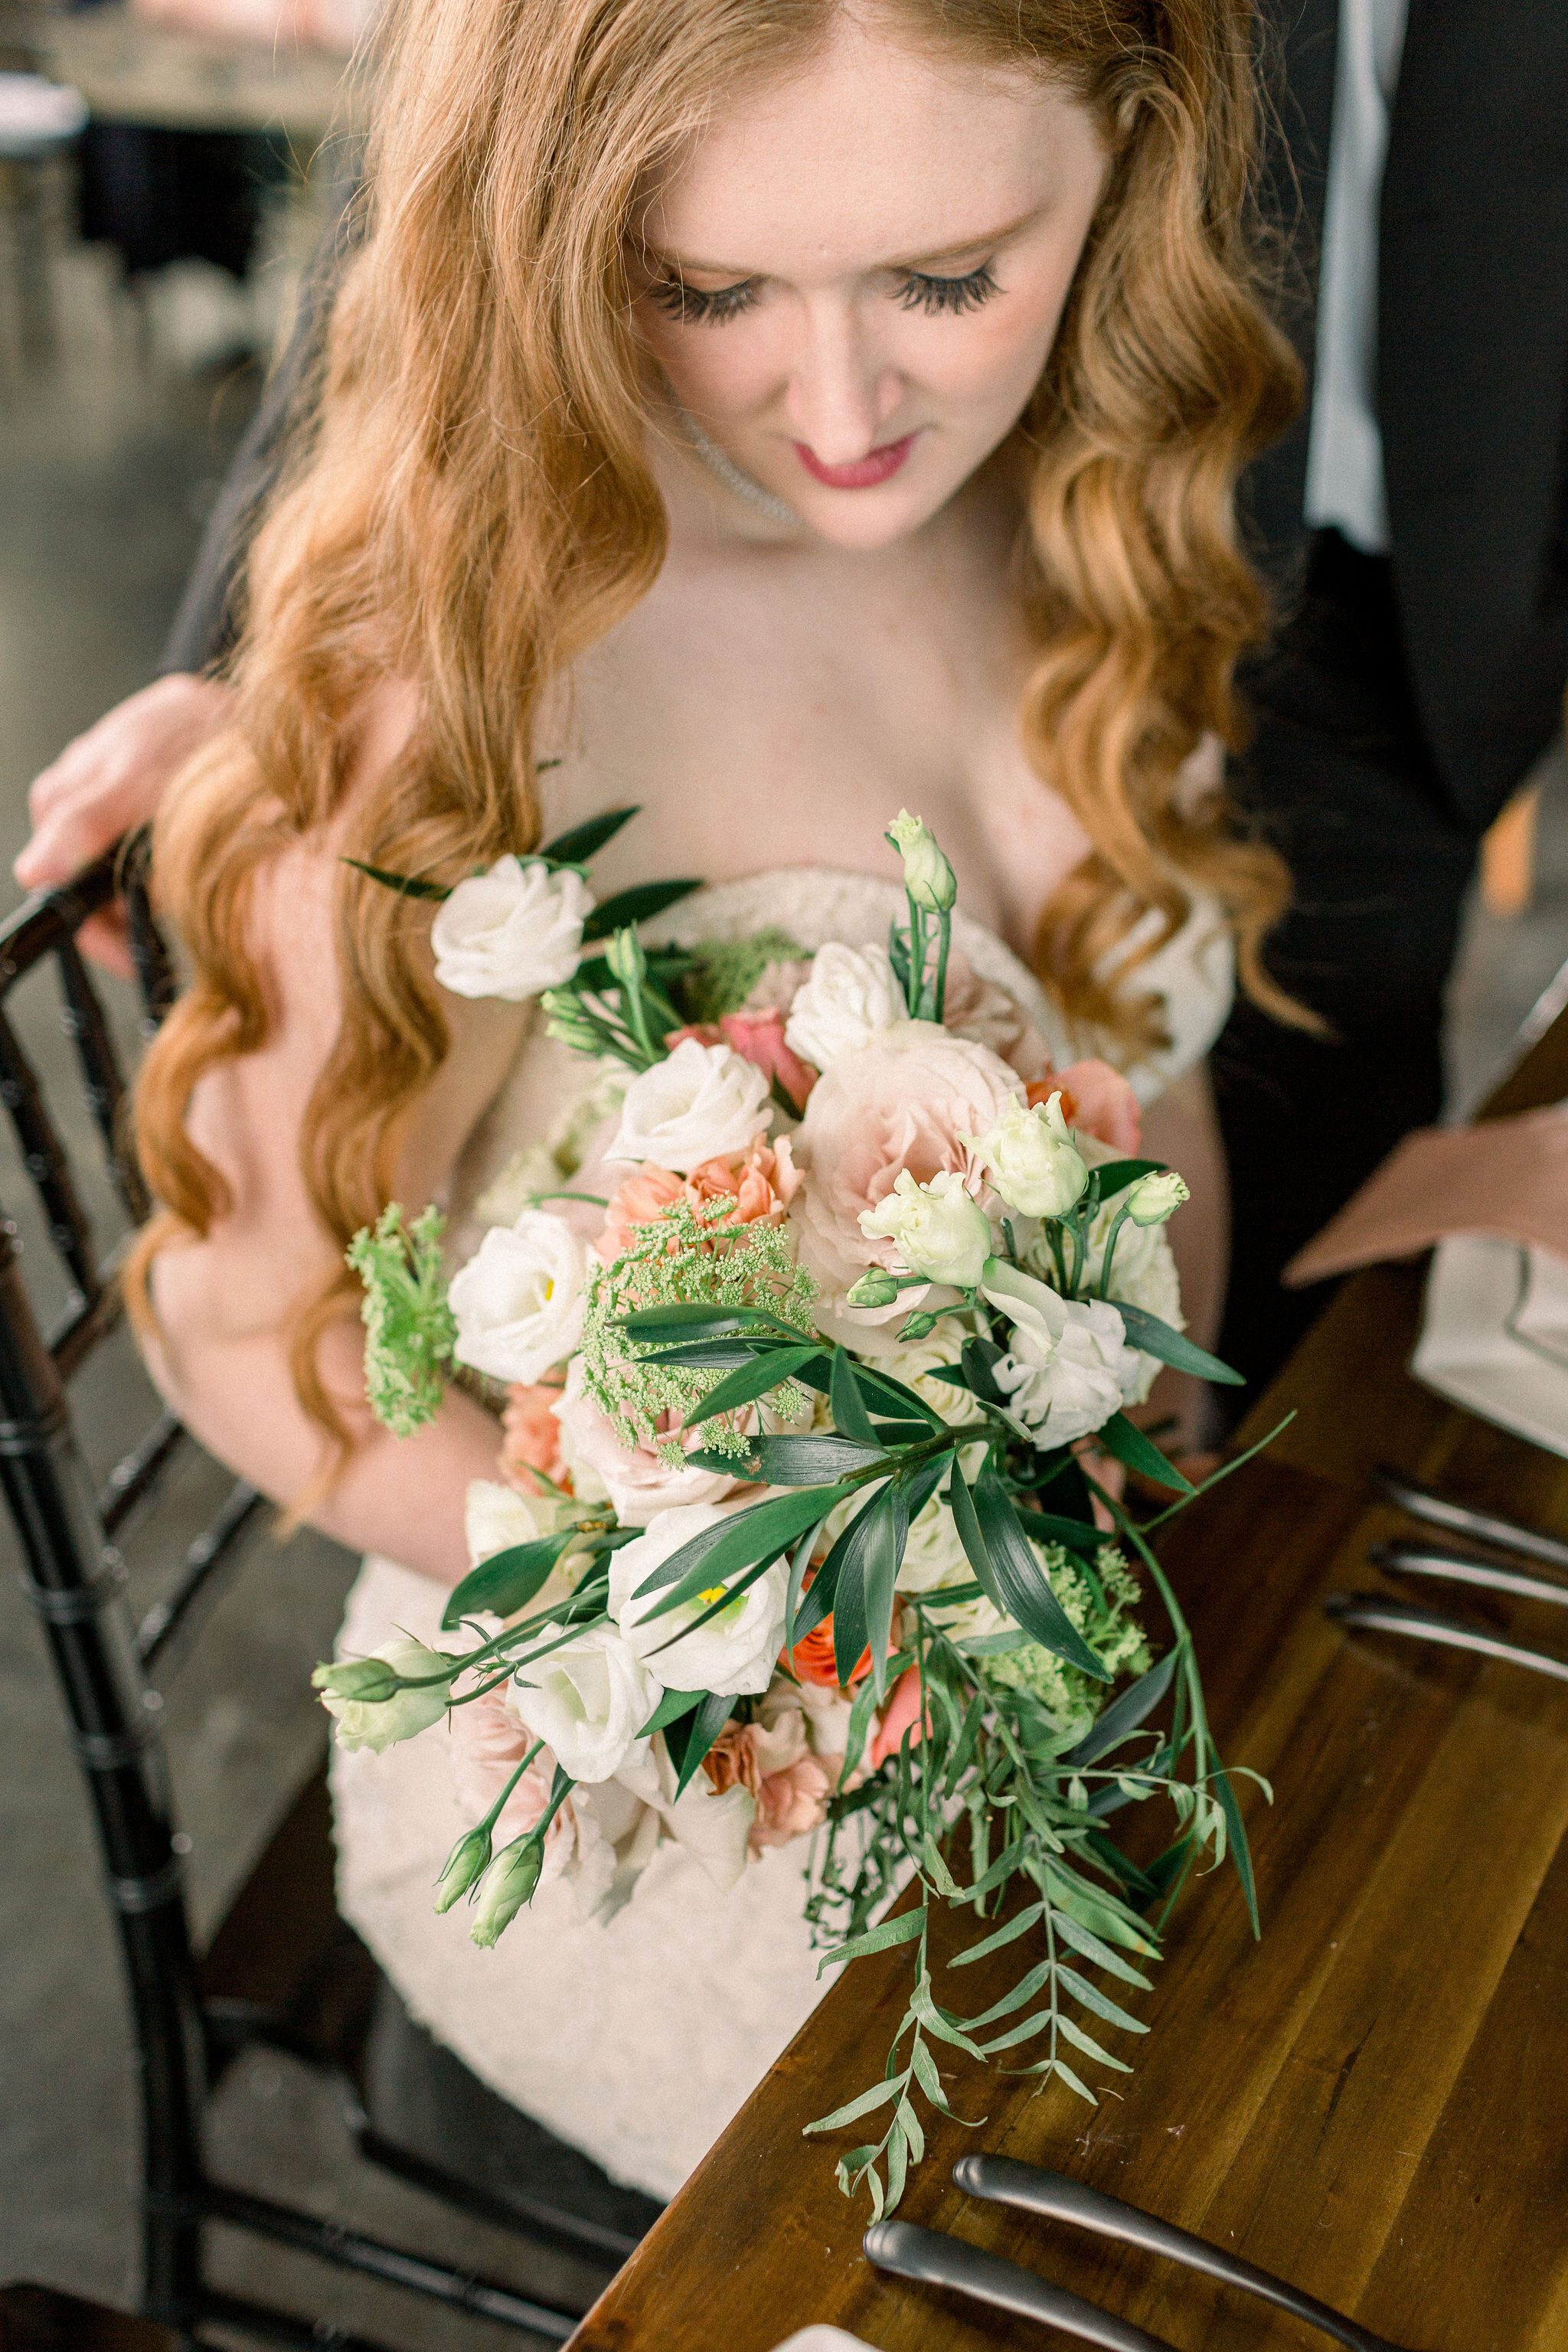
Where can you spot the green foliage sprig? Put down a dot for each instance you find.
(410, 1330)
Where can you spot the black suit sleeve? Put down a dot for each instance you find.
(210, 610)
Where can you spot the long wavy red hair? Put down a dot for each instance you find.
(473, 507)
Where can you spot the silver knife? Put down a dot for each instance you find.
(934, 2260)
(1380, 1614)
(1463, 1568)
(1482, 1527)
(1052, 2194)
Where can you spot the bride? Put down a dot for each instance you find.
(773, 413)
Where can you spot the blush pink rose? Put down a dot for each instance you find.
(638, 1482)
(488, 1744)
(1098, 1099)
(757, 1034)
(899, 1101)
(978, 1009)
(531, 1437)
(789, 1786)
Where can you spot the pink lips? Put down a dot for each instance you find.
(880, 465)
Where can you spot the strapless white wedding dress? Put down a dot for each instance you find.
(636, 2038)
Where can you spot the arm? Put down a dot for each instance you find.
(223, 1304)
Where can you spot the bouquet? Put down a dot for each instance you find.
(819, 1325)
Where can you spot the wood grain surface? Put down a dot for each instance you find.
(1370, 2100)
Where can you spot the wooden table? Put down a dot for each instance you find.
(1372, 2101)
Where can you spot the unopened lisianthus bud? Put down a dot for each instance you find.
(927, 877)
(506, 1885)
(1033, 1160)
(874, 1288)
(937, 1229)
(1154, 1198)
(400, 1690)
(468, 1857)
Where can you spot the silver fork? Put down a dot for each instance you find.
(1056, 2198)
(932, 2259)
(1459, 1519)
(1379, 1612)
(1463, 1568)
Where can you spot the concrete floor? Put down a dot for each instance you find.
(107, 463)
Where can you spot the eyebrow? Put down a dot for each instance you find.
(991, 238)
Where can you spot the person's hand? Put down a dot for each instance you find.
(109, 781)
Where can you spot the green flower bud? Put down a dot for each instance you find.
(399, 1691)
(468, 1859)
(1154, 1198)
(506, 1885)
(371, 1680)
(874, 1288)
(927, 877)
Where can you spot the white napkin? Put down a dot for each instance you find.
(35, 113)
(822, 2338)
(1495, 1336)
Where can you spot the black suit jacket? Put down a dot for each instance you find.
(1472, 380)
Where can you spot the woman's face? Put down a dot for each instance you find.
(853, 280)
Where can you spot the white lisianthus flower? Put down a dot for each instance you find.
(735, 1651)
(1033, 1158)
(705, 1102)
(937, 1230)
(1069, 1367)
(851, 997)
(497, 1518)
(934, 1553)
(512, 932)
(1156, 1197)
(587, 1701)
(518, 1300)
(348, 1692)
(927, 877)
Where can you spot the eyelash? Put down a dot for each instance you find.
(936, 297)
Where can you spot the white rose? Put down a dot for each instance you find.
(735, 1651)
(512, 931)
(587, 1700)
(851, 997)
(705, 1102)
(1032, 1158)
(1069, 1367)
(937, 1229)
(381, 1723)
(518, 1300)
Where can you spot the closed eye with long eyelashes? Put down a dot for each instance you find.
(936, 297)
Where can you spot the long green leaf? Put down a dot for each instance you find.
(1019, 1925)
(1090, 2046)
(851, 1627)
(689, 1739)
(406, 884)
(1240, 1851)
(849, 1414)
(883, 1556)
(867, 2103)
(634, 906)
(1124, 1714)
(1101, 2003)
(1127, 1442)
(507, 1580)
(795, 1461)
(1090, 1948)
(760, 1532)
(689, 1318)
(757, 1379)
(581, 842)
(1156, 1339)
(904, 1929)
(1011, 1573)
(1117, 1174)
(672, 1706)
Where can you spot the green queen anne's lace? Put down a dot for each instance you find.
(410, 1330)
(692, 1252)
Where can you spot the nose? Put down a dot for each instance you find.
(841, 390)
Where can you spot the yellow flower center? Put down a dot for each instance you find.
(714, 1592)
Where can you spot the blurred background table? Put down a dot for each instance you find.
(131, 71)
(1368, 2101)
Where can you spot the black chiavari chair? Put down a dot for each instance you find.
(76, 1582)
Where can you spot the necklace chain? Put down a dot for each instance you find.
(724, 468)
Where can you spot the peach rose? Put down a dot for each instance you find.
(1099, 1100)
(487, 1747)
(531, 1437)
(761, 1182)
(902, 1713)
(788, 1785)
(901, 1100)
